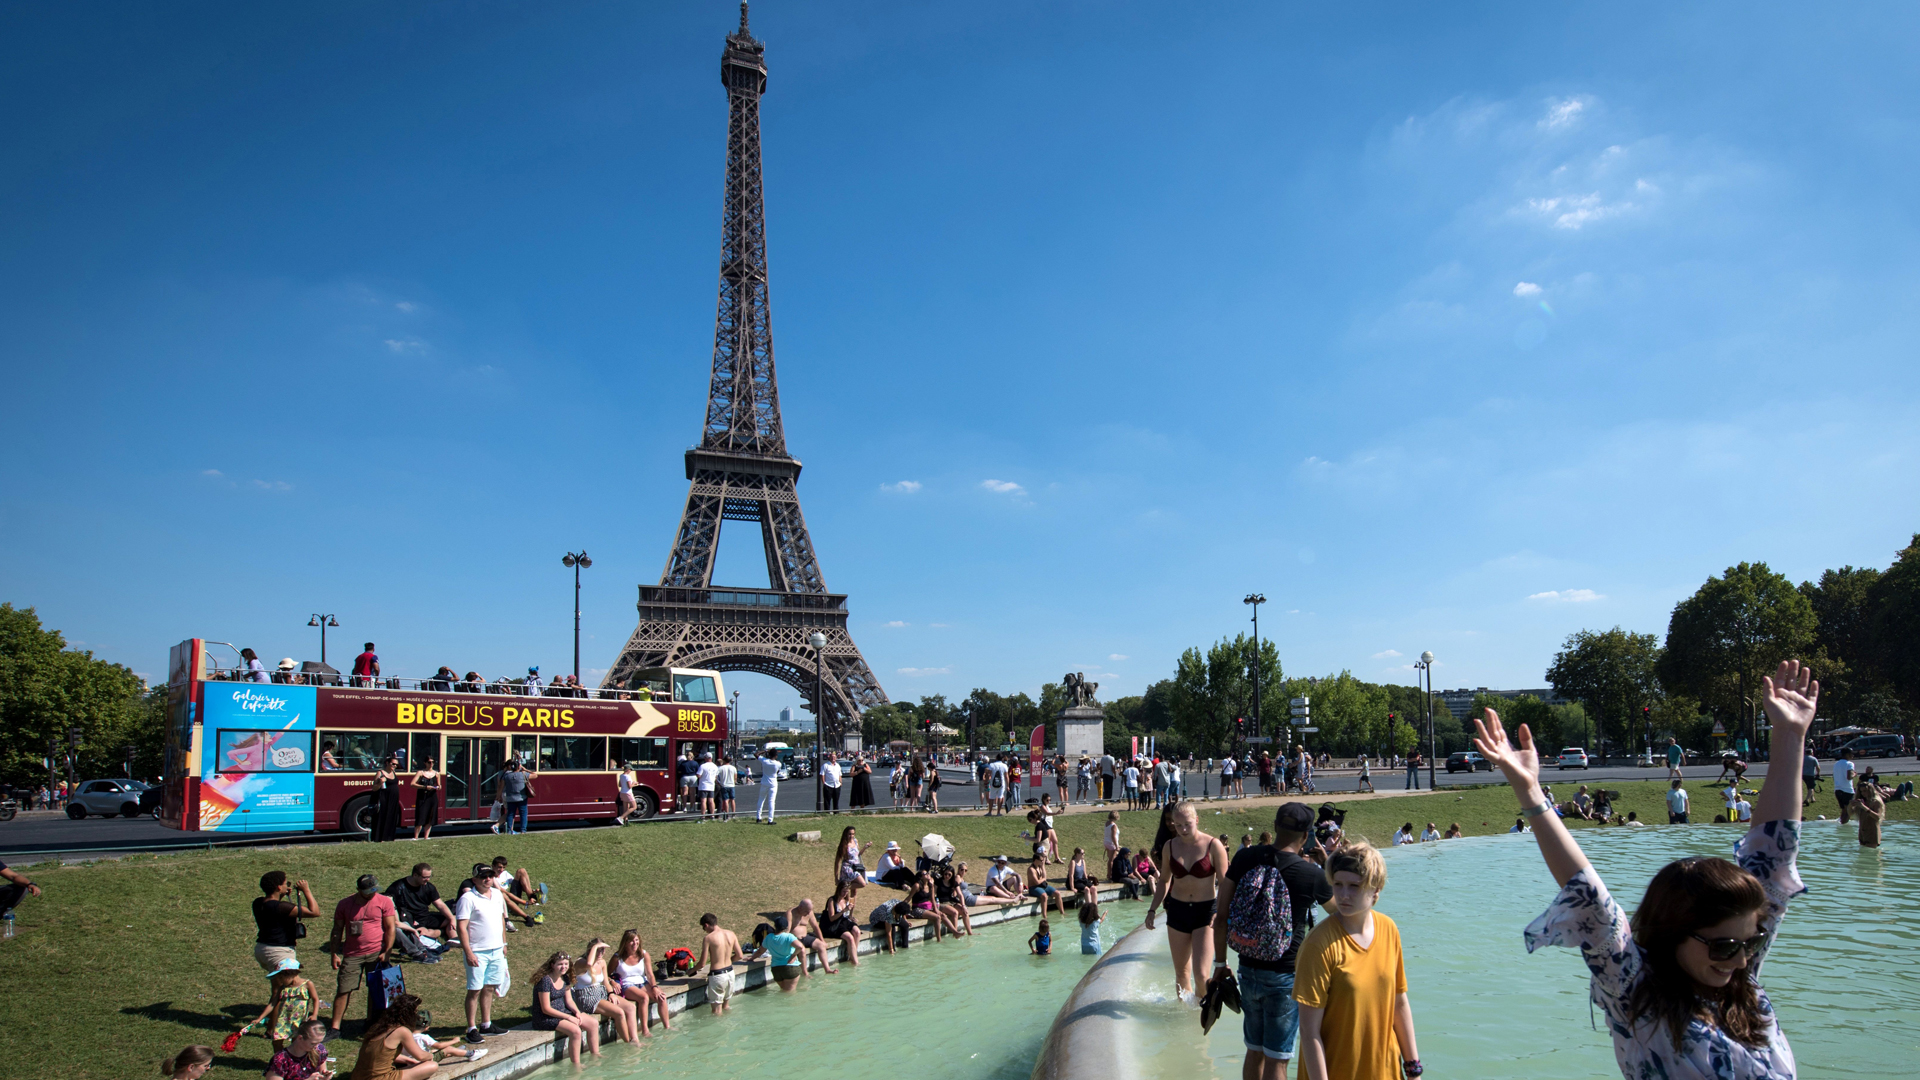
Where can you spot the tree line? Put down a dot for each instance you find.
(1855, 625)
(49, 693)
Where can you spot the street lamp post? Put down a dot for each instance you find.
(1255, 600)
(323, 621)
(576, 561)
(1426, 667)
(819, 642)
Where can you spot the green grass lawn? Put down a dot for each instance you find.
(140, 956)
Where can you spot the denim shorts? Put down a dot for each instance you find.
(1269, 1018)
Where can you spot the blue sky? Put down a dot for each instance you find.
(1450, 329)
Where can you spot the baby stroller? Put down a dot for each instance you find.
(935, 852)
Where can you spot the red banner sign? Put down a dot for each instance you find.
(1036, 743)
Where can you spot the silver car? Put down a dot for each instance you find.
(106, 798)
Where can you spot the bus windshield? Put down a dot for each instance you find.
(699, 689)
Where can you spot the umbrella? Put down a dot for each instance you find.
(935, 847)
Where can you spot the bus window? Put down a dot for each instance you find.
(572, 752)
(643, 753)
(525, 750)
(425, 748)
(363, 751)
(695, 688)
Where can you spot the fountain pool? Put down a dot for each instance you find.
(980, 1008)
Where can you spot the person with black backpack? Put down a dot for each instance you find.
(1265, 910)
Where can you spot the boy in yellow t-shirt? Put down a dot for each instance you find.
(1351, 981)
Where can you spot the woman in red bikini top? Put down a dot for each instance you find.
(1192, 865)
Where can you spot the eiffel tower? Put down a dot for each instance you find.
(741, 471)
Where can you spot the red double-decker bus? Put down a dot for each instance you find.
(299, 753)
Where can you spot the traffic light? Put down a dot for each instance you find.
(1240, 725)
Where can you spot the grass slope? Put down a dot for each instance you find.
(147, 954)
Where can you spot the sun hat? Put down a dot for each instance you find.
(289, 964)
(893, 845)
(287, 664)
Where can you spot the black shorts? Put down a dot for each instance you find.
(1845, 797)
(1189, 916)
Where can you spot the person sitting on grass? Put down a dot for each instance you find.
(1040, 889)
(1432, 833)
(1519, 825)
(521, 893)
(305, 1055)
(1041, 943)
(189, 1064)
(1404, 835)
(386, 1037)
(1679, 981)
(1453, 832)
(555, 1010)
(1582, 805)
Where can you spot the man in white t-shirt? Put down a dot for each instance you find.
(1106, 777)
(482, 918)
(997, 788)
(703, 782)
(830, 780)
(1730, 796)
(1843, 786)
(1742, 811)
(1132, 776)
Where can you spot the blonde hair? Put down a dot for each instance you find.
(1362, 858)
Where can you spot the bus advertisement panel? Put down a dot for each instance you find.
(257, 768)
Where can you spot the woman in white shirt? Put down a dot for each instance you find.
(1404, 836)
(723, 786)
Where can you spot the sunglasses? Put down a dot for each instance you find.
(1719, 949)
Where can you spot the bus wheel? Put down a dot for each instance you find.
(645, 804)
(358, 818)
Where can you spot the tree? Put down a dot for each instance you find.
(1894, 622)
(1613, 674)
(47, 689)
(1525, 709)
(1735, 629)
(882, 724)
(1843, 655)
(1210, 691)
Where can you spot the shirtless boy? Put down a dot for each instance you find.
(719, 951)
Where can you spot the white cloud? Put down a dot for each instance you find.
(215, 473)
(896, 624)
(406, 345)
(1526, 288)
(1116, 656)
(1567, 596)
(1562, 114)
(1576, 211)
(904, 487)
(273, 485)
(1003, 487)
(916, 672)
(407, 306)
(1388, 654)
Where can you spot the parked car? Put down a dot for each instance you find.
(1467, 761)
(1573, 757)
(1883, 746)
(106, 798)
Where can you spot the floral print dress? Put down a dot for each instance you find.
(1585, 916)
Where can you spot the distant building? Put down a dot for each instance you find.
(1460, 702)
(786, 717)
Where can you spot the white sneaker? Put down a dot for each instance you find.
(477, 1054)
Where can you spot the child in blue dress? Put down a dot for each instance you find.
(1041, 944)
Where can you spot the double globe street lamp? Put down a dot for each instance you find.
(323, 621)
(819, 642)
(1424, 666)
(576, 561)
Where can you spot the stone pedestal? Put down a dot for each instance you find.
(1083, 730)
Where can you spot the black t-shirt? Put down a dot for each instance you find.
(1306, 886)
(412, 901)
(275, 920)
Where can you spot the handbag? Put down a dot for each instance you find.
(299, 929)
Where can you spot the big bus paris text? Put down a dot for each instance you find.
(300, 752)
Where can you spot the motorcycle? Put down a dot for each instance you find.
(8, 808)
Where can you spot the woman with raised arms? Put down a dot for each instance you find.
(1680, 982)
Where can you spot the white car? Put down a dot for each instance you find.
(1573, 757)
(106, 798)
